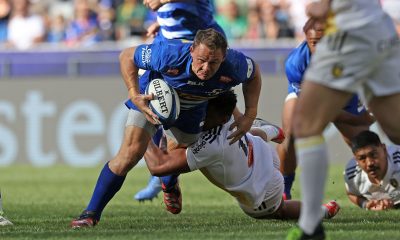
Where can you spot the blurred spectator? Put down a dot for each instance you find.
(255, 29)
(276, 19)
(56, 32)
(392, 7)
(24, 29)
(83, 29)
(297, 11)
(130, 19)
(106, 23)
(5, 10)
(231, 20)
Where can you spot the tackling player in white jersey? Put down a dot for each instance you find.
(372, 177)
(360, 53)
(247, 169)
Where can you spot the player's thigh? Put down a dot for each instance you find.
(386, 110)
(349, 131)
(287, 114)
(317, 105)
(285, 150)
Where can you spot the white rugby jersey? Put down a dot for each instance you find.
(228, 167)
(357, 181)
(351, 14)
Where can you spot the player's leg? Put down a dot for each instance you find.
(349, 131)
(286, 149)
(317, 106)
(154, 185)
(386, 110)
(114, 172)
(290, 209)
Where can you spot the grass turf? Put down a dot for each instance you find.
(42, 201)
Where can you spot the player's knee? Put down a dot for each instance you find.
(129, 156)
(306, 127)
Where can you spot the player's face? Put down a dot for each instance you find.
(373, 160)
(314, 35)
(206, 62)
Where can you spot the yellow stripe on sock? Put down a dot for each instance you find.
(309, 142)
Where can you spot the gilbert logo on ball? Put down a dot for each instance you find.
(166, 103)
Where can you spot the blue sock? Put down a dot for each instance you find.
(107, 186)
(169, 181)
(288, 179)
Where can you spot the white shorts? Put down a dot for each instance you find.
(136, 118)
(272, 200)
(364, 60)
(290, 96)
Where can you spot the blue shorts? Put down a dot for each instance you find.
(354, 106)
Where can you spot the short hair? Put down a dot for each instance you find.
(210, 38)
(310, 24)
(224, 103)
(364, 139)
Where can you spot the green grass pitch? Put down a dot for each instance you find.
(42, 201)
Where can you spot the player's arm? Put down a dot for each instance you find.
(357, 200)
(162, 163)
(363, 119)
(129, 72)
(156, 4)
(374, 205)
(251, 92)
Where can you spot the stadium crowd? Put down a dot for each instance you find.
(76, 23)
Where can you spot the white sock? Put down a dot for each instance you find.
(312, 156)
(271, 131)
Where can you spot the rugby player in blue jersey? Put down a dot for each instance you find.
(176, 20)
(198, 71)
(352, 120)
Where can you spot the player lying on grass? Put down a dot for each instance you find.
(247, 169)
(372, 177)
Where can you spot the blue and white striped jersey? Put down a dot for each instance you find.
(358, 183)
(181, 20)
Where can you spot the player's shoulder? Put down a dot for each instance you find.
(207, 142)
(394, 154)
(352, 170)
(237, 63)
(301, 52)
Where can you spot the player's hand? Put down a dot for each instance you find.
(142, 102)
(379, 205)
(153, 29)
(152, 4)
(386, 204)
(318, 10)
(242, 125)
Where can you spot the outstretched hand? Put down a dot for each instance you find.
(152, 4)
(379, 205)
(318, 10)
(242, 124)
(142, 102)
(153, 29)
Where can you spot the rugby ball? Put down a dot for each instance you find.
(166, 103)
